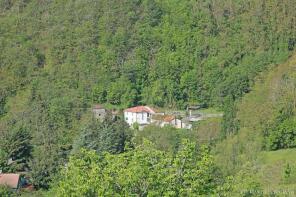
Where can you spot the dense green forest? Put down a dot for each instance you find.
(60, 57)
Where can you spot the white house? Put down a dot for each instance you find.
(140, 114)
(144, 115)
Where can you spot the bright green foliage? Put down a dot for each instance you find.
(122, 93)
(143, 171)
(99, 94)
(283, 136)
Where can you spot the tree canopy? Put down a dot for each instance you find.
(60, 57)
(144, 171)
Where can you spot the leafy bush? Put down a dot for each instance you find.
(283, 136)
(143, 171)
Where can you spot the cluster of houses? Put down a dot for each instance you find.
(145, 115)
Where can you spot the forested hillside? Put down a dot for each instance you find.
(60, 57)
(265, 140)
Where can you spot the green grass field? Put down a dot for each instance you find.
(278, 170)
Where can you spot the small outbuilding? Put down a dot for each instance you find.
(12, 181)
(99, 112)
(163, 120)
(15, 181)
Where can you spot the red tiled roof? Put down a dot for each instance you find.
(10, 180)
(168, 118)
(140, 109)
(98, 107)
